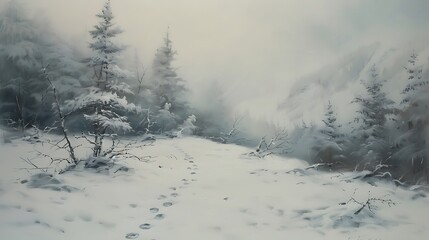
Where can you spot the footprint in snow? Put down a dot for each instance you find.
(159, 216)
(154, 210)
(145, 226)
(132, 235)
(192, 173)
(174, 194)
(161, 197)
(167, 204)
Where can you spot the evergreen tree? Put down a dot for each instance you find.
(375, 108)
(415, 80)
(102, 104)
(19, 59)
(168, 86)
(107, 73)
(331, 128)
(327, 145)
(412, 149)
(26, 46)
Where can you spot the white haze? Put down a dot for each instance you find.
(256, 49)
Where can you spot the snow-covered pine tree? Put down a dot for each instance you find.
(168, 87)
(102, 104)
(107, 74)
(412, 153)
(327, 145)
(331, 128)
(375, 108)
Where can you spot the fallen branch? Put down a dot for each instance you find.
(370, 203)
(277, 145)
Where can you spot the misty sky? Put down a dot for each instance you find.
(254, 47)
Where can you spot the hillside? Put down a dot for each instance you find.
(191, 188)
(339, 82)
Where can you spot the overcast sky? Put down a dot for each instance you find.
(254, 46)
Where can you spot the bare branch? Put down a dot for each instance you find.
(61, 118)
(278, 144)
(370, 203)
(140, 78)
(30, 162)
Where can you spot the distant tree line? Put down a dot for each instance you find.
(98, 92)
(388, 139)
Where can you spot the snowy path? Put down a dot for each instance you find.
(196, 189)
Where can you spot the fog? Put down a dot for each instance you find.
(256, 49)
(327, 81)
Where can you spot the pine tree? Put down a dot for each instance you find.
(102, 105)
(107, 73)
(26, 46)
(415, 80)
(413, 152)
(327, 145)
(18, 64)
(168, 86)
(331, 128)
(375, 108)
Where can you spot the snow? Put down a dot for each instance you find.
(114, 123)
(96, 96)
(192, 188)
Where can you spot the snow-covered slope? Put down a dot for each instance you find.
(196, 189)
(339, 82)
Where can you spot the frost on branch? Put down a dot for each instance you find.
(96, 97)
(114, 122)
(278, 144)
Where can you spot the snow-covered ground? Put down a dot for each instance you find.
(196, 189)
